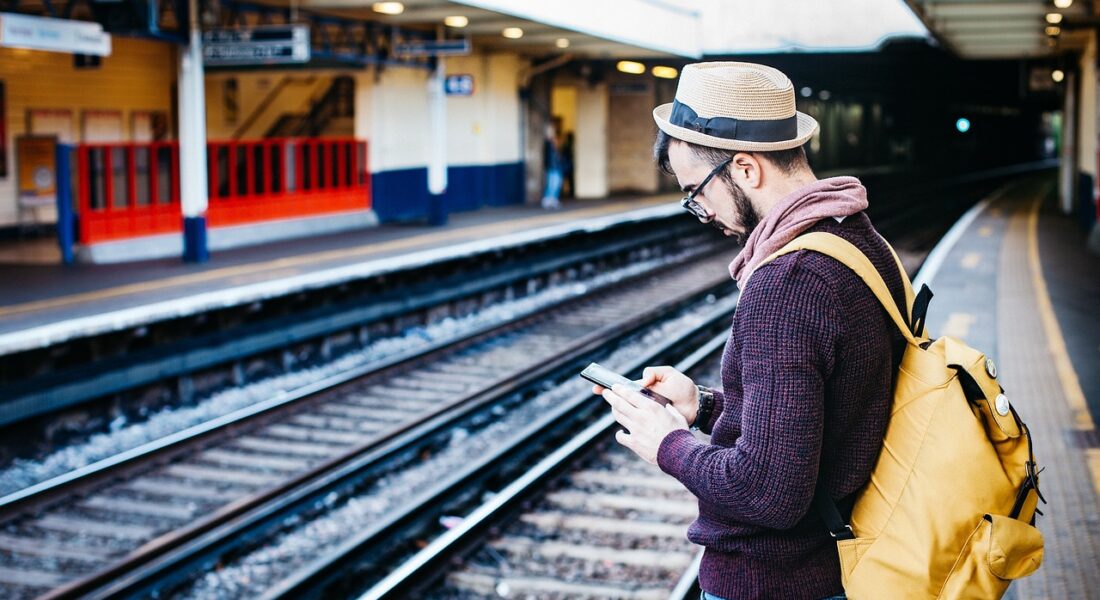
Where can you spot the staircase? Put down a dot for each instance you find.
(333, 114)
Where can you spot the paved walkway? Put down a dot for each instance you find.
(995, 290)
(53, 294)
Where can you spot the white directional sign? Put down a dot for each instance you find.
(53, 35)
(433, 48)
(459, 85)
(260, 45)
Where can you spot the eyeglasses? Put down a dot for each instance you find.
(692, 205)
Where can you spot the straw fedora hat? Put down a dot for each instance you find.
(735, 106)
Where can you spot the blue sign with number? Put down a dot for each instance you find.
(459, 85)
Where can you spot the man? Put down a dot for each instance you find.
(808, 369)
(552, 162)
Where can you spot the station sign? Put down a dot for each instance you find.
(53, 35)
(459, 47)
(459, 85)
(259, 45)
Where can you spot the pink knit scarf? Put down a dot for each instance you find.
(794, 214)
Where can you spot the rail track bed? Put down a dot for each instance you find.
(591, 520)
(317, 494)
(77, 537)
(614, 528)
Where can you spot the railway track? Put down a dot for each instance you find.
(590, 520)
(149, 523)
(76, 537)
(609, 527)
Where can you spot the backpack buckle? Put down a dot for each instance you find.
(843, 534)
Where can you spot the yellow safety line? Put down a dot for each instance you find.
(1092, 457)
(476, 232)
(1071, 385)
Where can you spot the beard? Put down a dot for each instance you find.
(747, 217)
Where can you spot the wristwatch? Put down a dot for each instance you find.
(706, 407)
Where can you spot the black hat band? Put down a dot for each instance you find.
(746, 130)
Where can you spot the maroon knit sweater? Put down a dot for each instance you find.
(807, 379)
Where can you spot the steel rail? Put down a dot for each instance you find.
(213, 534)
(63, 486)
(84, 383)
(417, 572)
(424, 567)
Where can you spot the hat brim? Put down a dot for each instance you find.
(806, 128)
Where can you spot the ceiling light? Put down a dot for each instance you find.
(1053, 30)
(1063, 3)
(562, 43)
(665, 72)
(389, 8)
(1057, 75)
(512, 33)
(1054, 18)
(456, 21)
(629, 66)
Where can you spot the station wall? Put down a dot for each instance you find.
(631, 131)
(45, 94)
(614, 130)
(247, 105)
(483, 136)
(591, 158)
(587, 115)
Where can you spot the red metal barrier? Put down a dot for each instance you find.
(127, 190)
(285, 178)
(132, 190)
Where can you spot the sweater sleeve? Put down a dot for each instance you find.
(789, 324)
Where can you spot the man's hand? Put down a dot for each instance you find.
(671, 384)
(647, 421)
(675, 386)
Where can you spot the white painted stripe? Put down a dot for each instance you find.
(46, 335)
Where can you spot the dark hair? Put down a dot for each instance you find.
(787, 161)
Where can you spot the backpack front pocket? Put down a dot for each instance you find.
(999, 550)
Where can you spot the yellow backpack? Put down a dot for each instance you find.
(950, 506)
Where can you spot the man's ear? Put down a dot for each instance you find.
(747, 170)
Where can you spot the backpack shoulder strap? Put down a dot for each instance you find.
(906, 284)
(851, 257)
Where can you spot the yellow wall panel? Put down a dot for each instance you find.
(138, 76)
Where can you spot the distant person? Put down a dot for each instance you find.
(552, 163)
(568, 189)
(808, 369)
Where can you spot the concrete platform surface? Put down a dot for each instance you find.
(44, 304)
(1020, 285)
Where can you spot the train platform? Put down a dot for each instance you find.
(1019, 284)
(53, 302)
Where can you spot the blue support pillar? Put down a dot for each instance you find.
(437, 210)
(194, 240)
(66, 220)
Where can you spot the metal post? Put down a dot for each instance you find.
(437, 160)
(192, 134)
(1068, 175)
(66, 221)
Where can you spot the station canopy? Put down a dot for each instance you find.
(688, 29)
(996, 29)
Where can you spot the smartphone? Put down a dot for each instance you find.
(601, 375)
